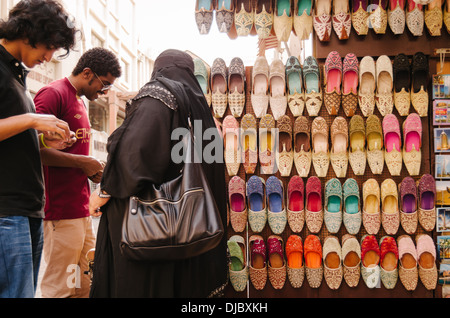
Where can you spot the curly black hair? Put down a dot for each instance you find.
(42, 22)
(99, 60)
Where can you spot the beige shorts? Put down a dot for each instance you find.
(66, 243)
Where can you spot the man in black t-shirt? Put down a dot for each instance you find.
(25, 39)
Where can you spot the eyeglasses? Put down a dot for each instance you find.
(105, 87)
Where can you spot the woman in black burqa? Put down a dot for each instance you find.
(140, 155)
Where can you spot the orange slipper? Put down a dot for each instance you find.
(294, 254)
(313, 261)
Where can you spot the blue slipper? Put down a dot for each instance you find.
(311, 75)
(255, 194)
(274, 190)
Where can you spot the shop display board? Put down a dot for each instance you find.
(373, 45)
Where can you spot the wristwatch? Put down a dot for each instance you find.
(102, 194)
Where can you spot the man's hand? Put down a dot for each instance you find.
(54, 141)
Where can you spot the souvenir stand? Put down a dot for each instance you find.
(282, 281)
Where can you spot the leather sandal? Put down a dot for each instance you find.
(375, 151)
(313, 261)
(351, 260)
(339, 148)
(407, 269)
(333, 205)
(332, 262)
(249, 140)
(257, 209)
(285, 151)
(352, 215)
(277, 263)
(357, 151)
(296, 204)
(370, 261)
(390, 214)
(371, 207)
(412, 144)
(320, 153)
(408, 205)
(389, 262)
(294, 81)
(238, 204)
(260, 88)
(302, 146)
(295, 266)
(258, 262)
(427, 202)
(393, 144)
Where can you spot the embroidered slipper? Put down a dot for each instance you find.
(408, 205)
(314, 208)
(225, 15)
(339, 148)
(238, 265)
(412, 135)
(433, 17)
(313, 93)
(243, 17)
(260, 88)
(385, 86)
(389, 262)
(426, 253)
(277, 264)
(275, 204)
(402, 84)
(249, 142)
(390, 215)
(267, 144)
(219, 87)
(236, 87)
(351, 255)
(202, 75)
(204, 15)
(360, 17)
(320, 153)
(256, 198)
(407, 270)
(375, 152)
(232, 146)
(294, 254)
(378, 17)
(322, 20)
(367, 83)
(302, 146)
(332, 262)
(427, 202)
(447, 16)
(333, 205)
(393, 144)
(303, 20)
(371, 208)
(415, 19)
(352, 215)
(370, 261)
(296, 95)
(333, 82)
(396, 16)
(419, 80)
(357, 154)
(285, 151)
(350, 83)
(278, 96)
(342, 20)
(238, 204)
(313, 261)
(296, 204)
(263, 18)
(258, 262)
(282, 20)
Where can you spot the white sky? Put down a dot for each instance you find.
(170, 24)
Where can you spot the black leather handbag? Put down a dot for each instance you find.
(176, 220)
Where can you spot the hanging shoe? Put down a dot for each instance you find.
(320, 153)
(390, 214)
(402, 84)
(283, 20)
(313, 92)
(277, 264)
(263, 18)
(256, 198)
(389, 262)
(232, 148)
(294, 81)
(260, 89)
(225, 15)
(393, 144)
(407, 269)
(378, 18)
(303, 20)
(426, 253)
(276, 210)
(350, 83)
(201, 73)
(295, 266)
(434, 18)
(360, 17)
(249, 140)
(370, 261)
(285, 151)
(415, 19)
(385, 85)
(243, 17)
(339, 146)
(302, 146)
(351, 256)
(342, 19)
(277, 82)
(375, 151)
(447, 16)
(367, 86)
(314, 207)
(322, 20)
(313, 261)
(267, 144)
(371, 207)
(412, 144)
(419, 78)
(204, 15)
(427, 202)
(357, 153)
(238, 204)
(238, 268)
(352, 215)
(396, 16)
(332, 262)
(296, 204)
(219, 87)
(236, 87)
(408, 205)
(333, 205)
(333, 82)
(258, 262)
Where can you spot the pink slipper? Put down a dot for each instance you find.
(412, 134)
(393, 143)
(238, 206)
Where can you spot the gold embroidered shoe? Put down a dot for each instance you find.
(434, 17)
(264, 18)
(236, 87)
(219, 87)
(303, 20)
(278, 96)
(244, 17)
(357, 151)
(378, 17)
(447, 17)
(415, 19)
(426, 252)
(385, 96)
(320, 154)
(350, 83)
(396, 17)
(393, 144)
(339, 148)
(285, 152)
(375, 152)
(351, 255)
(294, 81)
(333, 83)
(407, 269)
(313, 92)
(232, 146)
(282, 20)
(427, 202)
(420, 75)
(332, 262)
(360, 17)
(402, 84)
(302, 146)
(204, 15)
(249, 141)
(267, 144)
(390, 215)
(412, 153)
(367, 83)
(408, 205)
(371, 206)
(260, 89)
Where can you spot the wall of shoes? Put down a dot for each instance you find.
(331, 173)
